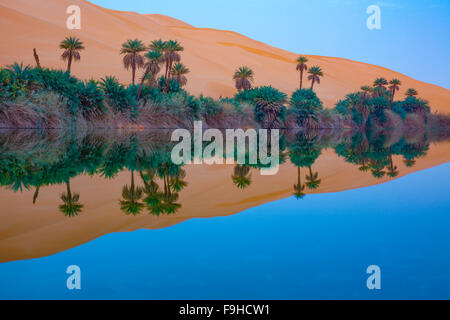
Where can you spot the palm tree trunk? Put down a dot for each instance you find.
(167, 70)
(141, 173)
(36, 57)
(133, 70)
(69, 192)
(312, 84)
(301, 79)
(298, 177)
(142, 84)
(392, 98)
(69, 63)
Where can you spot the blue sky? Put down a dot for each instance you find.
(414, 35)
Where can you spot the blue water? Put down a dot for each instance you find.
(317, 247)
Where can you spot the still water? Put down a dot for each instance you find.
(140, 227)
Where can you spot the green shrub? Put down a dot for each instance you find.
(91, 99)
(121, 99)
(305, 107)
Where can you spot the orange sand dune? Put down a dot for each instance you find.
(31, 231)
(212, 55)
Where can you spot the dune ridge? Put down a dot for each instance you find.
(211, 55)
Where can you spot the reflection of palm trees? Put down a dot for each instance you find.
(242, 177)
(36, 194)
(299, 188)
(71, 206)
(162, 201)
(364, 166)
(377, 169)
(392, 170)
(313, 181)
(131, 198)
(409, 162)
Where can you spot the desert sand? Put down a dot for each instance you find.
(211, 55)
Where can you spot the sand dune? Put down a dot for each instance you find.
(212, 55)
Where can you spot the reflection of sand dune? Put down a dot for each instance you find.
(28, 231)
(212, 55)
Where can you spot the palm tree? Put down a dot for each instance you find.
(392, 170)
(313, 181)
(171, 55)
(178, 73)
(131, 196)
(380, 83)
(71, 206)
(364, 108)
(411, 92)
(160, 46)
(72, 47)
(299, 187)
(314, 75)
(242, 177)
(243, 77)
(152, 66)
(178, 183)
(394, 86)
(301, 67)
(409, 162)
(133, 59)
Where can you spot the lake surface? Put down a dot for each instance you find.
(140, 227)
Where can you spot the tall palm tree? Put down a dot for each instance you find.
(133, 59)
(411, 92)
(72, 47)
(243, 77)
(314, 75)
(71, 206)
(299, 188)
(364, 108)
(242, 177)
(313, 181)
(130, 204)
(178, 72)
(172, 51)
(153, 59)
(301, 67)
(394, 86)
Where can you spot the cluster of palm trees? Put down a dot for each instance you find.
(136, 55)
(312, 182)
(244, 76)
(158, 53)
(381, 85)
(157, 200)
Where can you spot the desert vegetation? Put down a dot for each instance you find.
(38, 97)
